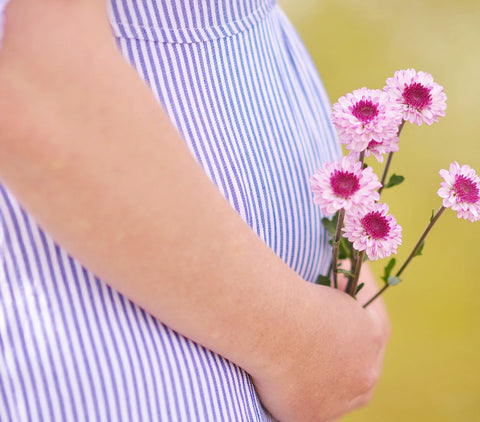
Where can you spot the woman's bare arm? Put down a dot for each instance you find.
(88, 151)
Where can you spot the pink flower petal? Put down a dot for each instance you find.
(344, 185)
(375, 231)
(460, 191)
(422, 100)
(365, 115)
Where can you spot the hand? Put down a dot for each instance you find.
(334, 363)
(366, 293)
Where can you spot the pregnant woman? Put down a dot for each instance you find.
(158, 239)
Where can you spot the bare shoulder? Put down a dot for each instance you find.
(31, 26)
(48, 47)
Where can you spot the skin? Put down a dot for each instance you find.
(79, 127)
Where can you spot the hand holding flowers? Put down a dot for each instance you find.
(369, 122)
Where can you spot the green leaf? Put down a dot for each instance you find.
(395, 180)
(330, 226)
(420, 249)
(393, 281)
(432, 216)
(388, 270)
(359, 287)
(323, 280)
(344, 249)
(346, 272)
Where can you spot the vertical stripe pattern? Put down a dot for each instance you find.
(3, 5)
(240, 88)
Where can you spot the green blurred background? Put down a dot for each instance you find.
(432, 367)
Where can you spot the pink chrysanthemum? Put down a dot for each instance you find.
(378, 149)
(461, 191)
(344, 184)
(375, 232)
(364, 116)
(422, 99)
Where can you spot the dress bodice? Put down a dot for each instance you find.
(186, 21)
(181, 14)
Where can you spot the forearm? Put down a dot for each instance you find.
(89, 152)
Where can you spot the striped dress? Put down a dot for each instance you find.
(242, 91)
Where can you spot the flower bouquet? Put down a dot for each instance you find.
(369, 123)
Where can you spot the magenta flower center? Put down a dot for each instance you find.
(466, 190)
(344, 183)
(373, 144)
(417, 96)
(365, 110)
(376, 225)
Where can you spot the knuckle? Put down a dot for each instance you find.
(367, 382)
(365, 399)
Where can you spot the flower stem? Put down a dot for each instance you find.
(336, 246)
(352, 286)
(385, 171)
(353, 261)
(421, 240)
(412, 254)
(362, 158)
(376, 295)
(389, 160)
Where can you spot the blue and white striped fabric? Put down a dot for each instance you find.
(241, 89)
(3, 5)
